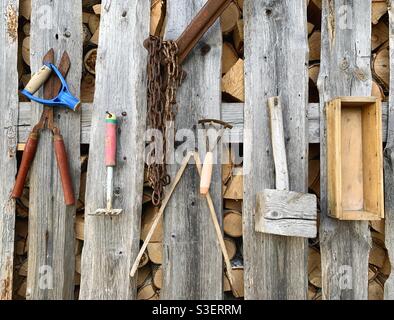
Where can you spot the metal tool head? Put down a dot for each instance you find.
(63, 99)
(214, 121)
(107, 212)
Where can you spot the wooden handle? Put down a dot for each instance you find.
(278, 144)
(27, 159)
(204, 19)
(206, 174)
(218, 229)
(167, 198)
(110, 140)
(62, 163)
(38, 79)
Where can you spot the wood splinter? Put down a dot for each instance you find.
(283, 212)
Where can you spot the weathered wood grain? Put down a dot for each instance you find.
(389, 167)
(8, 136)
(58, 25)
(232, 113)
(278, 144)
(286, 213)
(193, 267)
(276, 48)
(344, 71)
(112, 243)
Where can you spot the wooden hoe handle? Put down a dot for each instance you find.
(205, 18)
(206, 174)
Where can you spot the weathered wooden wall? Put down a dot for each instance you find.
(57, 25)
(389, 167)
(344, 71)
(8, 136)
(112, 243)
(192, 257)
(276, 58)
(231, 113)
(276, 48)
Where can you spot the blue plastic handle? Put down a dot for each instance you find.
(64, 97)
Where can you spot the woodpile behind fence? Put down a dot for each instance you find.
(234, 49)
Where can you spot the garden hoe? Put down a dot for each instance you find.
(110, 163)
(206, 174)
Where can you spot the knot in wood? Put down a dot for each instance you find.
(360, 74)
(274, 214)
(117, 192)
(344, 64)
(205, 49)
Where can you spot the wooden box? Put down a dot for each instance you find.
(355, 158)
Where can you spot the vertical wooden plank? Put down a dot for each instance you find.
(112, 243)
(389, 167)
(192, 256)
(58, 25)
(276, 51)
(344, 71)
(8, 138)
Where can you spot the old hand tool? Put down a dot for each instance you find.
(212, 211)
(280, 211)
(165, 75)
(51, 88)
(110, 163)
(206, 174)
(63, 99)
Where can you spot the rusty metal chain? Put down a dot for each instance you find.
(164, 78)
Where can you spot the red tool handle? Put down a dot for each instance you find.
(27, 159)
(110, 140)
(62, 163)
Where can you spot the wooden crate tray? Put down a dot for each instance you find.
(355, 160)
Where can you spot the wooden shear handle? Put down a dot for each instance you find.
(64, 171)
(27, 159)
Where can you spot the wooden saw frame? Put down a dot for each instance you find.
(159, 214)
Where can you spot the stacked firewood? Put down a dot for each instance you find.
(150, 272)
(233, 46)
(379, 263)
(379, 46)
(231, 25)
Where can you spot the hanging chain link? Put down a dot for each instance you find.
(164, 78)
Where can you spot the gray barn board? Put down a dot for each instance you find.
(276, 47)
(57, 25)
(192, 257)
(8, 134)
(232, 113)
(344, 71)
(389, 167)
(112, 243)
